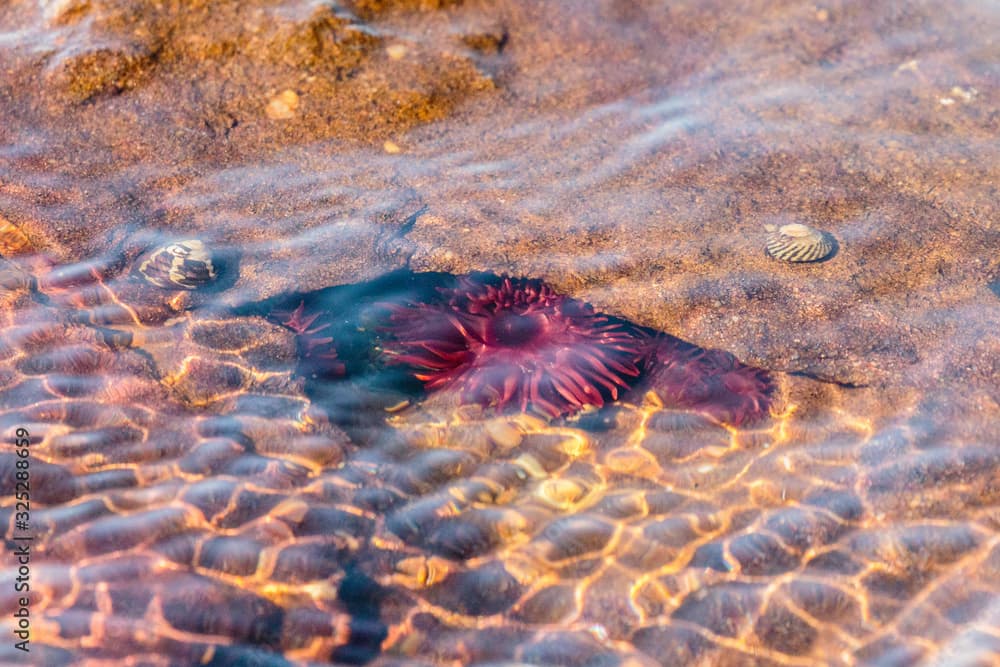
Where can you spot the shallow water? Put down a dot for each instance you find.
(196, 497)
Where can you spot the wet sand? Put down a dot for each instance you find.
(628, 153)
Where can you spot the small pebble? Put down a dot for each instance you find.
(396, 51)
(13, 241)
(503, 433)
(283, 106)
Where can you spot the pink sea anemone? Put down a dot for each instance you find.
(512, 344)
(515, 343)
(709, 381)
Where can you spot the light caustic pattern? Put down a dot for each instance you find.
(192, 505)
(669, 539)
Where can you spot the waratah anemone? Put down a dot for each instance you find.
(515, 343)
(710, 381)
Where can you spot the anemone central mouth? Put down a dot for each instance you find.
(516, 329)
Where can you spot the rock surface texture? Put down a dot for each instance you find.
(206, 488)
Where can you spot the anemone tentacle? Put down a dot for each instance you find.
(320, 350)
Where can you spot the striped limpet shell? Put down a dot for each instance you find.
(179, 265)
(796, 242)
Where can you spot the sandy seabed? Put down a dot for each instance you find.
(629, 153)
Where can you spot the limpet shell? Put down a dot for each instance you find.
(796, 242)
(179, 265)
